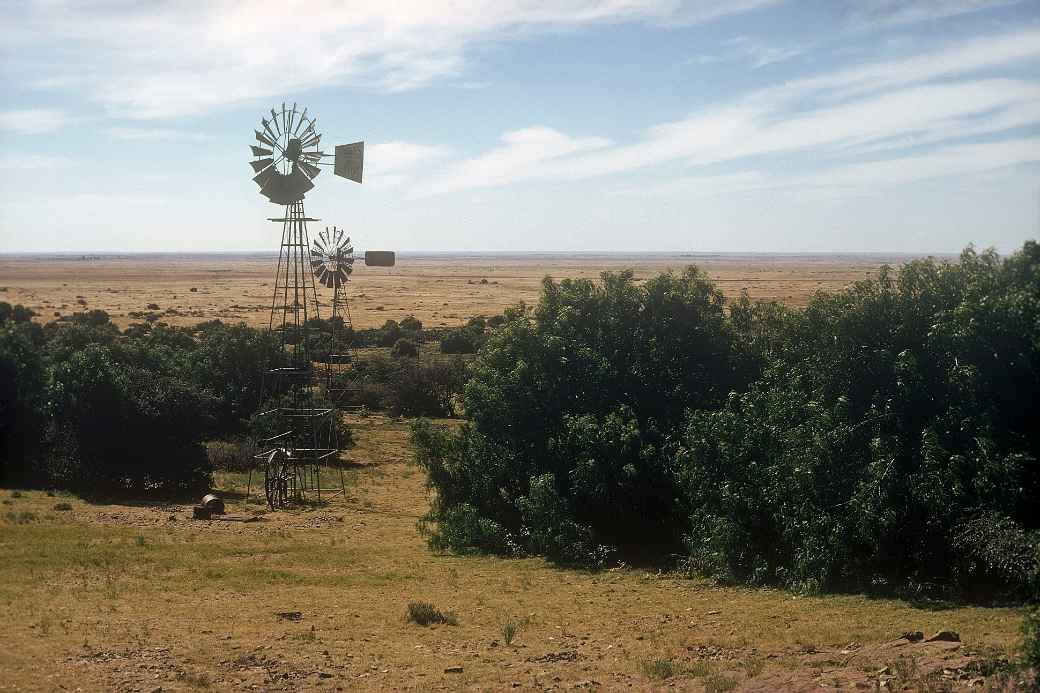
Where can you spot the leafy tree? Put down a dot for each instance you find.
(125, 429)
(570, 412)
(889, 443)
(404, 348)
(22, 382)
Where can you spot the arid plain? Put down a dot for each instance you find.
(445, 289)
(140, 597)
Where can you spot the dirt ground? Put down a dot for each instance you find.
(140, 597)
(438, 289)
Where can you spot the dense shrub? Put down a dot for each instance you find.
(465, 340)
(569, 413)
(891, 440)
(121, 428)
(404, 348)
(22, 400)
(426, 389)
(884, 438)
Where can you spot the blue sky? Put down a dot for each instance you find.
(619, 125)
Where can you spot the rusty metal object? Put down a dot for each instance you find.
(213, 503)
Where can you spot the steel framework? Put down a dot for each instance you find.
(301, 411)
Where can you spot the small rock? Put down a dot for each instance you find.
(324, 675)
(913, 635)
(290, 615)
(453, 670)
(714, 612)
(157, 689)
(945, 636)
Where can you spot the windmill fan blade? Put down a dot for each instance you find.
(313, 156)
(312, 142)
(350, 160)
(260, 151)
(264, 176)
(297, 184)
(260, 165)
(311, 170)
(261, 137)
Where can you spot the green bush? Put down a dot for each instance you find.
(124, 429)
(565, 452)
(404, 348)
(888, 444)
(884, 438)
(461, 341)
(22, 401)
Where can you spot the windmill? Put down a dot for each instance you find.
(287, 158)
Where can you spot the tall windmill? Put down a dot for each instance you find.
(287, 159)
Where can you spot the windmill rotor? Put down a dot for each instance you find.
(332, 257)
(287, 158)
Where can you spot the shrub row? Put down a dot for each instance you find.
(884, 438)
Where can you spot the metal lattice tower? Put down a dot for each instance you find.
(294, 393)
(297, 393)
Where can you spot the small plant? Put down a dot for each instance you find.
(200, 680)
(139, 540)
(16, 494)
(658, 669)
(753, 666)
(1031, 645)
(425, 613)
(510, 631)
(719, 683)
(905, 668)
(22, 518)
(62, 507)
(700, 669)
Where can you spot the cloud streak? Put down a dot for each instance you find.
(882, 107)
(161, 61)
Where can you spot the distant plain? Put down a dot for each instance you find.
(439, 289)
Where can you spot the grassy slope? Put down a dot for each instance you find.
(124, 597)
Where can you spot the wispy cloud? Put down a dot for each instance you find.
(133, 133)
(32, 121)
(156, 61)
(522, 154)
(884, 106)
(761, 53)
(880, 13)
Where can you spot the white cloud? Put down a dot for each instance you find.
(875, 107)
(523, 154)
(35, 162)
(32, 121)
(155, 61)
(125, 133)
(760, 53)
(390, 164)
(874, 13)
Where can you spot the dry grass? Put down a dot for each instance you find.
(439, 290)
(116, 597)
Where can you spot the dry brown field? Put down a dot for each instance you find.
(140, 597)
(438, 289)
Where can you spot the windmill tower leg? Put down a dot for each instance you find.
(307, 421)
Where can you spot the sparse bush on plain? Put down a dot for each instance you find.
(425, 614)
(658, 668)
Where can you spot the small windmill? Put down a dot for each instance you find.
(287, 159)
